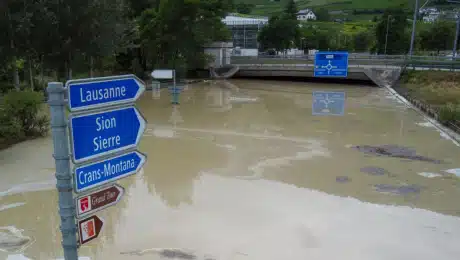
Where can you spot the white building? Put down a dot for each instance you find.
(306, 14)
(244, 33)
(430, 14)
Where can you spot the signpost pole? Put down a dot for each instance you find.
(63, 174)
(175, 90)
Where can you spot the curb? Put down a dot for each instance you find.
(426, 112)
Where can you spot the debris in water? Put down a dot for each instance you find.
(429, 174)
(376, 171)
(394, 151)
(174, 253)
(12, 240)
(400, 190)
(13, 205)
(455, 172)
(342, 179)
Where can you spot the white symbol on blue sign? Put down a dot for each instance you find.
(328, 103)
(96, 174)
(84, 94)
(331, 64)
(102, 133)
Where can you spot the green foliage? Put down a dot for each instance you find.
(24, 106)
(439, 36)
(20, 117)
(322, 14)
(290, 11)
(449, 113)
(244, 8)
(174, 35)
(270, 7)
(362, 41)
(282, 32)
(391, 32)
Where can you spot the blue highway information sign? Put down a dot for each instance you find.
(331, 64)
(93, 93)
(102, 133)
(99, 173)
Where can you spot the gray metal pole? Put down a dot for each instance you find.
(386, 35)
(63, 176)
(454, 51)
(414, 22)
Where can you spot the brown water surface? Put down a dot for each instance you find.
(243, 170)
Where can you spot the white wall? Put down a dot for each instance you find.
(221, 51)
(249, 52)
(216, 53)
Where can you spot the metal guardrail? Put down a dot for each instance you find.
(356, 57)
(358, 60)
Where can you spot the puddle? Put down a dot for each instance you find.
(376, 171)
(399, 190)
(394, 151)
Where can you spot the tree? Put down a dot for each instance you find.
(175, 33)
(438, 37)
(397, 42)
(290, 11)
(361, 41)
(281, 32)
(322, 15)
(314, 38)
(243, 8)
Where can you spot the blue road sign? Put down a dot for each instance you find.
(328, 103)
(84, 94)
(99, 173)
(103, 133)
(331, 64)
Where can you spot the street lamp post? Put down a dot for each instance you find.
(454, 50)
(414, 22)
(386, 35)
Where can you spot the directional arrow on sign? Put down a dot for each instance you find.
(98, 200)
(84, 94)
(89, 228)
(99, 173)
(103, 133)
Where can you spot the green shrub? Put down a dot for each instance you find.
(449, 113)
(24, 107)
(10, 128)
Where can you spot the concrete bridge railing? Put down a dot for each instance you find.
(426, 62)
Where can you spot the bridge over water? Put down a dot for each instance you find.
(380, 69)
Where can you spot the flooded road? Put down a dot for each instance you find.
(243, 170)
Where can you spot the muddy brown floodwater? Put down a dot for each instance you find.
(243, 170)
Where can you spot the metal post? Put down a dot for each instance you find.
(454, 51)
(63, 176)
(414, 22)
(175, 92)
(386, 36)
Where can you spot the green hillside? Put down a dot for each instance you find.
(269, 7)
